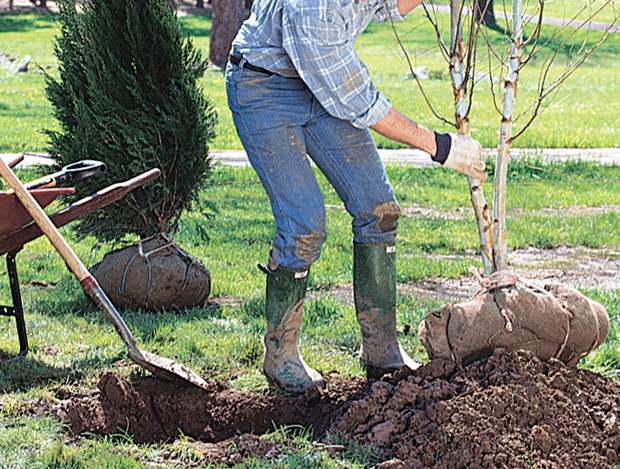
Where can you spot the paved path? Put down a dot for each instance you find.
(420, 159)
(415, 158)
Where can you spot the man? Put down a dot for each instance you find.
(296, 87)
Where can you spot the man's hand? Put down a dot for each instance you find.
(458, 152)
(466, 157)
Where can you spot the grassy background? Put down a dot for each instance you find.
(585, 114)
(71, 345)
(225, 342)
(602, 10)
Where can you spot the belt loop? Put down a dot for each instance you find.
(242, 62)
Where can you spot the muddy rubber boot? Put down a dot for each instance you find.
(374, 287)
(283, 365)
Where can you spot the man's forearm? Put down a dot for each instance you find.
(400, 128)
(405, 6)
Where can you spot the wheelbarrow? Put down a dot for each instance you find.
(16, 235)
(17, 227)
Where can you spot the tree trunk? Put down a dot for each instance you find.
(461, 102)
(200, 3)
(485, 14)
(500, 229)
(227, 18)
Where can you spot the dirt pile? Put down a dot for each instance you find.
(155, 410)
(232, 451)
(511, 410)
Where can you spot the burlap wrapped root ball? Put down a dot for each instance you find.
(155, 274)
(513, 313)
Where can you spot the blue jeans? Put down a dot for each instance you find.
(280, 124)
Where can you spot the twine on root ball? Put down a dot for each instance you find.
(154, 274)
(514, 313)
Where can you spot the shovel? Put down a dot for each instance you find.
(70, 174)
(157, 365)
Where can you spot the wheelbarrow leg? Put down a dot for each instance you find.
(18, 308)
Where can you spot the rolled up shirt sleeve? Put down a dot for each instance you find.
(317, 44)
(388, 11)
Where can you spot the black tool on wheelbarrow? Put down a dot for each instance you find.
(70, 174)
(158, 365)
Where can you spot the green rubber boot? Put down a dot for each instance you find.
(374, 287)
(283, 365)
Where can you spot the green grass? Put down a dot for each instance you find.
(583, 115)
(600, 11)
(225, 343)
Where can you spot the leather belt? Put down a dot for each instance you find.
(237, 61)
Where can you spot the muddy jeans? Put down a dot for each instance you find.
(279, 123)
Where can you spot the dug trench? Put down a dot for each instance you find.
(510, 410)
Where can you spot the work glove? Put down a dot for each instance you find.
(466, 157)
(461, 153)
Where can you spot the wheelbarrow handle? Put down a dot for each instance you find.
(70, 174)
(14, 160)
(45, 224)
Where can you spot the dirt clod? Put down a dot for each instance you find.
(235, 450)
(510, 410)
(507, 411)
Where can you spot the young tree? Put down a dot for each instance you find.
(509, 311)
(471, 48)
(128, 95)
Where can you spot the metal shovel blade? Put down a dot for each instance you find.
(165, 367)
(159, 366)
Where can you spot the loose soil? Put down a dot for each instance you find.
(155, 410)
(463, 213)
(580, 268)
(511, 410)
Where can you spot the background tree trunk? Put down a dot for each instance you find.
(485, 14)
(200, 3)
(227, 18)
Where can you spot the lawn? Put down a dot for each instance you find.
(585, 121)
(225, 342)
(230, 230)
(602, 11)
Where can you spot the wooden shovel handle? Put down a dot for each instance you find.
(45, 224)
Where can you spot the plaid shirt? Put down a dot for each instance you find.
(313, 40)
